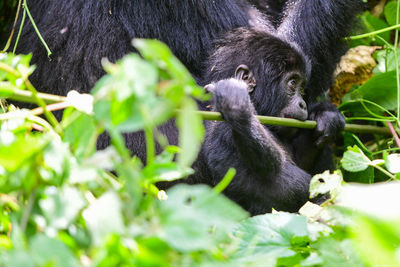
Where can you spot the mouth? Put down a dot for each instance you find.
(300, 118)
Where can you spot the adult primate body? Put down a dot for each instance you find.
(253, 44)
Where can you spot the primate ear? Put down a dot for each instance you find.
(245, 74)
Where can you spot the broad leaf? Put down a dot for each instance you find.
(392, 163)
(354, 160)
(390, 12)
(103, 217)
(196, 218)
(324, 183)
(276, 235)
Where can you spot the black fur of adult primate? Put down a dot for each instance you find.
(80, 33)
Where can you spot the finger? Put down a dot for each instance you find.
(209, 88)
(322, 140)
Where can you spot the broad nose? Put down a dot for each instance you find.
(302, 110)
(302, 104)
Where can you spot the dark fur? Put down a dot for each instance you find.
(80, 33)
(266, 175)
(306, 36)
(318, 27)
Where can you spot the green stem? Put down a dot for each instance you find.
(369, 34)
(353, 128)
(20, 30)
(36, 29)
(369, 119)
(392, 176)
(373, 114)
(225, 181)
(396, 40)
(27, 211)
(148, 132)
(118, 142)
(150, 146)
(386, 150)
(6, 68)
(40, 102)
(210, 115)
(25, 96)
(13, 28)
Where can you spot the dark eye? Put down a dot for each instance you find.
(292, 83)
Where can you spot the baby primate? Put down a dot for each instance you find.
(258, 74)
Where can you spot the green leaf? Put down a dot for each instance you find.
(156, 172)
(368, 175)
(390, 12)
(380, 89)
(56, 165)
(276, 235)
(196, 218)
(16, 258)
(191, 132)
(51, 252)
(324, 183)
(20, 63)
(17, 151)
(159, 53)
(392, 163)
(336, 253)
(386, 60)
(82, 142)
(372, 23)
(103, 217)
(354, 160)
(127, 100)
(60, 207)
(378, 200)
(377, 241)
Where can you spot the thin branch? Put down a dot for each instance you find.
(396, 137)
(26, 96)
(40, 102)
(27, 211)
(36, 29)
(396, 42)
(19, 31)
(352, 128)
(369, 34)
(52, 107)
(6, 68)
(13, 27)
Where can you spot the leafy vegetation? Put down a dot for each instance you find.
(63, 203)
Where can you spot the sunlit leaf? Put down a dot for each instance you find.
(390, 12)
(324, 183)
(378, 241)
(191, 212)
(191, 133)
(392, 163)
(275, 235)
(61, 206)
(103, 217)
(47, 251)
(354, 160)
(379, 200)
